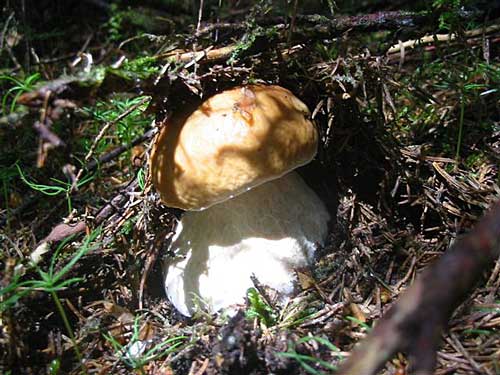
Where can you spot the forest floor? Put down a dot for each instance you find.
(407, 105)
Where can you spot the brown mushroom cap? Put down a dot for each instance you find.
(234, 141)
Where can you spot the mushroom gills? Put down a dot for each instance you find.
(268, 232)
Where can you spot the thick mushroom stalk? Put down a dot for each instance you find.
(268, 232)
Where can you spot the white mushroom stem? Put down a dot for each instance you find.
(268, 232)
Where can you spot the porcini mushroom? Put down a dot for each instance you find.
(228, 163)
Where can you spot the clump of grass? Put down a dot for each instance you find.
(449, 13)
(114, 24)
(125, 130)
(360, 323)
(61, 187)
(51, 282)
(297, 313)
(259, 309)
(19, 86)
(307, 362)
(254, 31)
(141, 178)
(136, 354)
(140, 68)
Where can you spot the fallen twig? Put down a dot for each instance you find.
(120, 149)
(326, 25)
(441, 38)
(47, 135)
(208, 54)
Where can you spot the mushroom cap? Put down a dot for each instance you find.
(234, 141)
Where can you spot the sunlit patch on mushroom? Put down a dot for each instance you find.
(248, 214)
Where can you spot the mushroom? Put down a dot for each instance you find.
(229, 165)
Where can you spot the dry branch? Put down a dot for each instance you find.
(414, 324)
(427, 39)
(114, 153)
(388, 20)
(325, 25)
(208, 54)
(47, 135)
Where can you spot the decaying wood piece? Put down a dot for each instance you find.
(414, 324)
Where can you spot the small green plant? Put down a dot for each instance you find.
(297, 313)
(254, 31)
(493, 308)
(128, 226)
(141, 179)
(140, 68)
(50, 282)
(306, 361)
(52, 190)
(248, 40)
(19, 87)
(328, 52)
(125, 130)
(136, 355)
(55, 366)
(359, 323)
(449, 13)
(258, 308)
(473, 331)
(114, 24)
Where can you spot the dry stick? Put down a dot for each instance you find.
(414, 324)
(441, 38)
(200, 15)
(208, 54)
(62, 230)
(323, 24)
(317, 23)
(47, 135)
(120, 150)
(4, 30)
(326, 25)
(7, 47)
(42, 148)
(291, 29)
